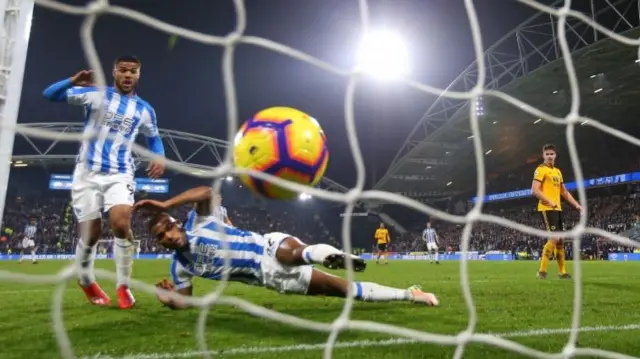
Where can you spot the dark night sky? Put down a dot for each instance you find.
(185, 85)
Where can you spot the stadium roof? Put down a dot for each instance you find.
(437, 159)
(192, 150)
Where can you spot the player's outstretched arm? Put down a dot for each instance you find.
(168, 302)
(200, 195)
(62, 91)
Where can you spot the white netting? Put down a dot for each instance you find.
(105, 246)
(229, 42)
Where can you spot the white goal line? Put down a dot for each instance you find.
(352, 344)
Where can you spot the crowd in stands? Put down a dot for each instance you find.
(613, 209)
(611, 212)
(58, 230)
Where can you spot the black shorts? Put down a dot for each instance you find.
(552, 221)
(382, 247)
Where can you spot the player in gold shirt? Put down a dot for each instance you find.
(382, 238)
(548, 187)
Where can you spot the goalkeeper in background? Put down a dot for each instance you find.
(548, 186)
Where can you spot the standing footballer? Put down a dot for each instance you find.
(382, 238)
(548, 186)
(103, 177)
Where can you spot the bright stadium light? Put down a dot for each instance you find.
(229, 178)
(304, 196)
(383, 54)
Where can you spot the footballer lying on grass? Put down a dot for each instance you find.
(277, 261)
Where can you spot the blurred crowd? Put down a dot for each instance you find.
(58, 230)
(613, 209)
(614, 213)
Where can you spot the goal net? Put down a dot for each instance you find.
(350, 199)
(104, 249)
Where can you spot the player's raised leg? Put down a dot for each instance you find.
(290, 252)
(294, 252)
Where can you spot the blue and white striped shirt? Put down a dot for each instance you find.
(122, 118)
(30, 231)
(429, 235)
(204, 254)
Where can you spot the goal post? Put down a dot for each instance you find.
(14, 42)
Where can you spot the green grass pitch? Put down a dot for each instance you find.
(509, 300)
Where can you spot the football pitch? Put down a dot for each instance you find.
(510, 303)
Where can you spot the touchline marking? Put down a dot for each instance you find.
(352, 344)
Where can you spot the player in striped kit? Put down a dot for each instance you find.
(29, 240)
(103, 179)
(430, 237)
(276, 261)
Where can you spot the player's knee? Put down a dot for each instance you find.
(91, 229)
(120, 227)
(120, 220)
(289, 251)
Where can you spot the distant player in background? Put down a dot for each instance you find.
(382, 239)
(219, 211)
(430, 237)
(103, 179)
(29, 240)
(548, 187)
(276, 261)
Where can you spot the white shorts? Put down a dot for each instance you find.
(28, 243)
(432, 246)
(93, 192)
(283, 278)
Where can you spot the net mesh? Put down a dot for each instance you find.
(343, 322)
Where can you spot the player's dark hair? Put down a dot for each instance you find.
(551, 147)
(155, 218)
(127, 58)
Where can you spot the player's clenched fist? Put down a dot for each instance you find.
(83, 78)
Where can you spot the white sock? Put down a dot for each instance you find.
(372, 292)
(437, 255)
(21, 255)
(33, 255)
(85, 255)
(123, 256)
(318, 252)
